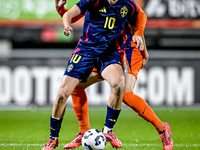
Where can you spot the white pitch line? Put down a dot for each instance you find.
(133, 145)
(176, 145)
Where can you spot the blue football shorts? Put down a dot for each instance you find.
(80, 66)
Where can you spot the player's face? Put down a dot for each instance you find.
(112, 2)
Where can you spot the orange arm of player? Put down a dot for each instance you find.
(140, 22)
(138, 30)
(62, 10)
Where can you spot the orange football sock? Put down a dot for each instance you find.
(80, 106)
(141, 107)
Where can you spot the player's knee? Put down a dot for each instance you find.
(61, 98)
(118, 88)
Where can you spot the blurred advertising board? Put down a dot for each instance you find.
(172, 23)
(165, 9)
(173, 13)
(171, 78)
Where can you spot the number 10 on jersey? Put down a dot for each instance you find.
(109, 23)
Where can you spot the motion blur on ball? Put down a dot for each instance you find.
(93, 139)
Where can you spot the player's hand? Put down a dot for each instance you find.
(138, 40)
(68, 30)
(60, 3)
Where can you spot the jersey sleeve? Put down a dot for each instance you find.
(141, 20)
(74, 19)
(85, 5)
(62, 10)
(133, 13)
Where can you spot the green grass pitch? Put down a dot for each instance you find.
(29, 129)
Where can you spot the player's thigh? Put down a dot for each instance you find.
(93, 78)
(130, 81)
(114, 75)
(67, 85)
(111, 69)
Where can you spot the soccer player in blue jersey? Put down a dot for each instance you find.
(138, 60)
(98, 47)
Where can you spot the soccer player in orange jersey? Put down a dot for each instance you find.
(132, 61)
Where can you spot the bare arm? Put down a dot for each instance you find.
(67, 17)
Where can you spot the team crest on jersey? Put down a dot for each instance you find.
(103, 10)
(69, 68)
(124, 11)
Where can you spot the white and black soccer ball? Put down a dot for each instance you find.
(93, 139)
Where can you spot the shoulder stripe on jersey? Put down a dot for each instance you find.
(96, 4)
(134, 9)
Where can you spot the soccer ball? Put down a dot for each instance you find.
(93, 139)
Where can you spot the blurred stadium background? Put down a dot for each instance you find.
(34, 53)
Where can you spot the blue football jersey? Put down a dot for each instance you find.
(104, 24)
